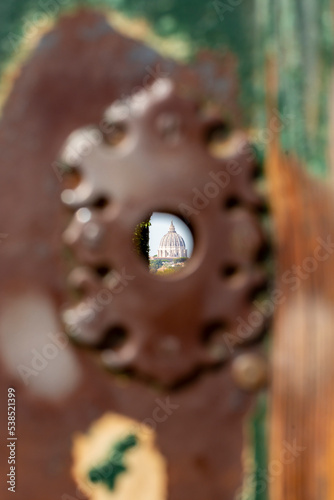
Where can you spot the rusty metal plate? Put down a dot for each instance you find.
(69, 81)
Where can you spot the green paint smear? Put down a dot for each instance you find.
(108, 472)
(260, 449)
(256, 479)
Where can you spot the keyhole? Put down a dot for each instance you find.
(166, 242)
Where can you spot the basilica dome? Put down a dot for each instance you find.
(172, 245)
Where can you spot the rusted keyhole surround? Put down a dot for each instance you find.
(159, 150)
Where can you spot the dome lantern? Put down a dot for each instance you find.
(171, 228)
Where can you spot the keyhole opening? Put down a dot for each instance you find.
(166, 242)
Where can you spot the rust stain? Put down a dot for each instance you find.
(63, 87)
(303, 370)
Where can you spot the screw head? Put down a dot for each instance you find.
(250, 371)
(68, 197)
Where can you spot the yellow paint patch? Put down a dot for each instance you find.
(146, 475)
(177, 47)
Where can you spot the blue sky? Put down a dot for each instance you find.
(159, 226)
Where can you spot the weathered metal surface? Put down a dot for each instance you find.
(76, 72)
(301, 443)
(163, 164)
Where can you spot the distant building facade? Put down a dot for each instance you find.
(172, 245)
